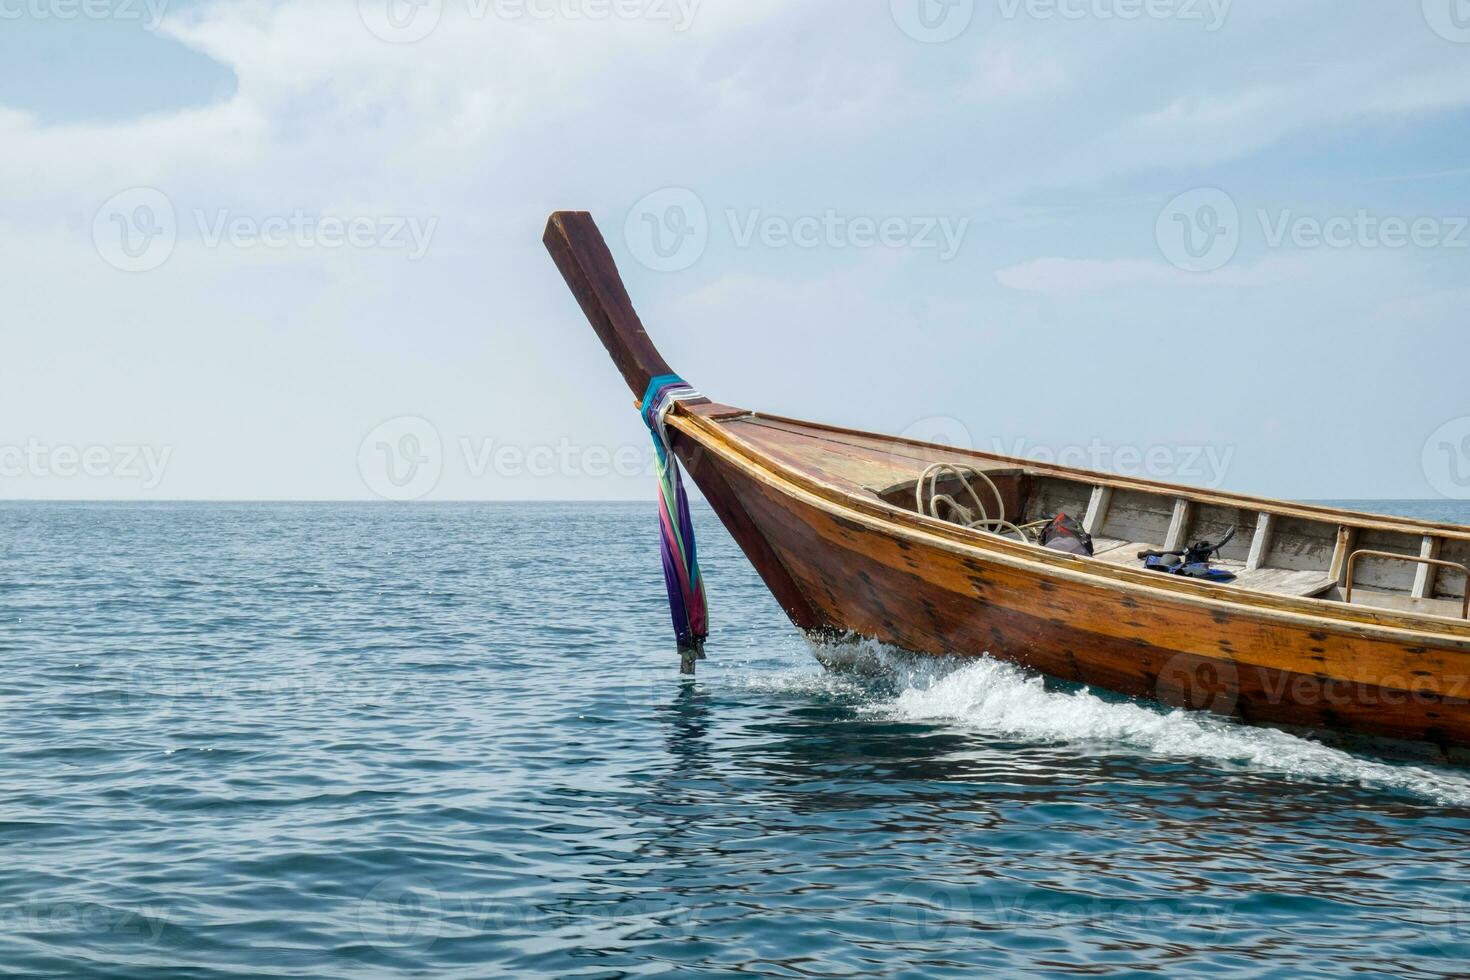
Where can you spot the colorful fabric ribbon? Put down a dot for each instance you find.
(685, 585)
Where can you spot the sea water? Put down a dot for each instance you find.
(450, 740)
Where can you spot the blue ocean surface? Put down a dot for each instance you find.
(450, 740)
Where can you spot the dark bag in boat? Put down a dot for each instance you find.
(1066, 534)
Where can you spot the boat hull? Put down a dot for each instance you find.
(818, 511)
(839, 571)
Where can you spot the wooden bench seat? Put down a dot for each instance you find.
(1281, 581)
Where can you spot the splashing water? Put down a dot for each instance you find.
(997, 699)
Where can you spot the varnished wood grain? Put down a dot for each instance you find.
(803, 501)
(922, 595)
(587, 265)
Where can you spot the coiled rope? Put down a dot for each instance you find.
(975, 518)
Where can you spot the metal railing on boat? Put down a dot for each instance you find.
(1352, 563)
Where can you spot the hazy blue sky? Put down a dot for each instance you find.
(264, 250)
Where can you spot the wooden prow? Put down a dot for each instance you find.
(1290, 642)
(587, 265)
(585, 262)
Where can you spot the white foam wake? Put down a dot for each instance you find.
(984, 695)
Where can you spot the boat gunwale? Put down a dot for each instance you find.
(1361, 520)
(707, 430)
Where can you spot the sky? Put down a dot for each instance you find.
(261, 250)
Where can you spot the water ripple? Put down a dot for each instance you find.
(286, 740)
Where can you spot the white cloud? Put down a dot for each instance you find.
(1226, 121)
(486, 125)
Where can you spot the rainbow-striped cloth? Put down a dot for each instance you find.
(687, 602)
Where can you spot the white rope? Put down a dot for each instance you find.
(661, 412)
(976, 519)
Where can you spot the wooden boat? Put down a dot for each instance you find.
(1337, 621)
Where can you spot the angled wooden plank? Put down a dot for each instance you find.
(1427, 575)
(587, 265)
(1346, 537)
(1097, 509)
(1178, 525)
(1261, 543)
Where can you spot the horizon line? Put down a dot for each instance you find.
(530, 500)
